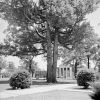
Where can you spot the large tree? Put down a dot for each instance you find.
(25, 46)
(58, 22)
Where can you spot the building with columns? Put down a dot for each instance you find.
(65, 72)
(68, 71)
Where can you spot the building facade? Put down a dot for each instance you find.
(65, 72)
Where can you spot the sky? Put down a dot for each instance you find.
(3, 25)
(93, 18)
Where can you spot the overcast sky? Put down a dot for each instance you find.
(93, 18)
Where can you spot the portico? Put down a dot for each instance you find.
(65, 72)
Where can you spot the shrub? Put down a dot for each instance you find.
(84, 77)
(96, 91)
(20, 79)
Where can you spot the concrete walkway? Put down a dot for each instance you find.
(41, 89)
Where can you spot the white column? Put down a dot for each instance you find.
(71, 74)
(59, 72)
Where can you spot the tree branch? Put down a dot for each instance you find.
(39, 34)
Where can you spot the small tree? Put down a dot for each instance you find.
(29, 64)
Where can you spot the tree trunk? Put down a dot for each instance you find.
(55, 57)
(75, 71)
(30, 65)
(49, 56)
(0, 73)
(32, 74)
(88, 61)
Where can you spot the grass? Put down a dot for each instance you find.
(53, 95)
(4, 80)
(41, 82)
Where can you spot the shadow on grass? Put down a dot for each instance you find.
(66, 82)
(81, 88)
(39, 82)
(4, 81)
(43, 82)
(10, 89)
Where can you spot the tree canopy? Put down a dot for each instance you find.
(50, 23)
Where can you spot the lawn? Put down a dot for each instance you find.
(41, 82)
(4, 84)
(62, 94)
(53, 95)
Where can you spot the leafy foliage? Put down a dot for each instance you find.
(96, 56)
(62, 21)
(80, 51)
(6, 74)
(2, 62)
(20, 79)
(84, 77)
(29, 22)
(11, 67)
(29, 64)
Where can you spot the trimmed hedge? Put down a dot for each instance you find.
(84, 77)
(20, 79)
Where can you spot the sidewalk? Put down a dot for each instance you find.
(41, 89)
